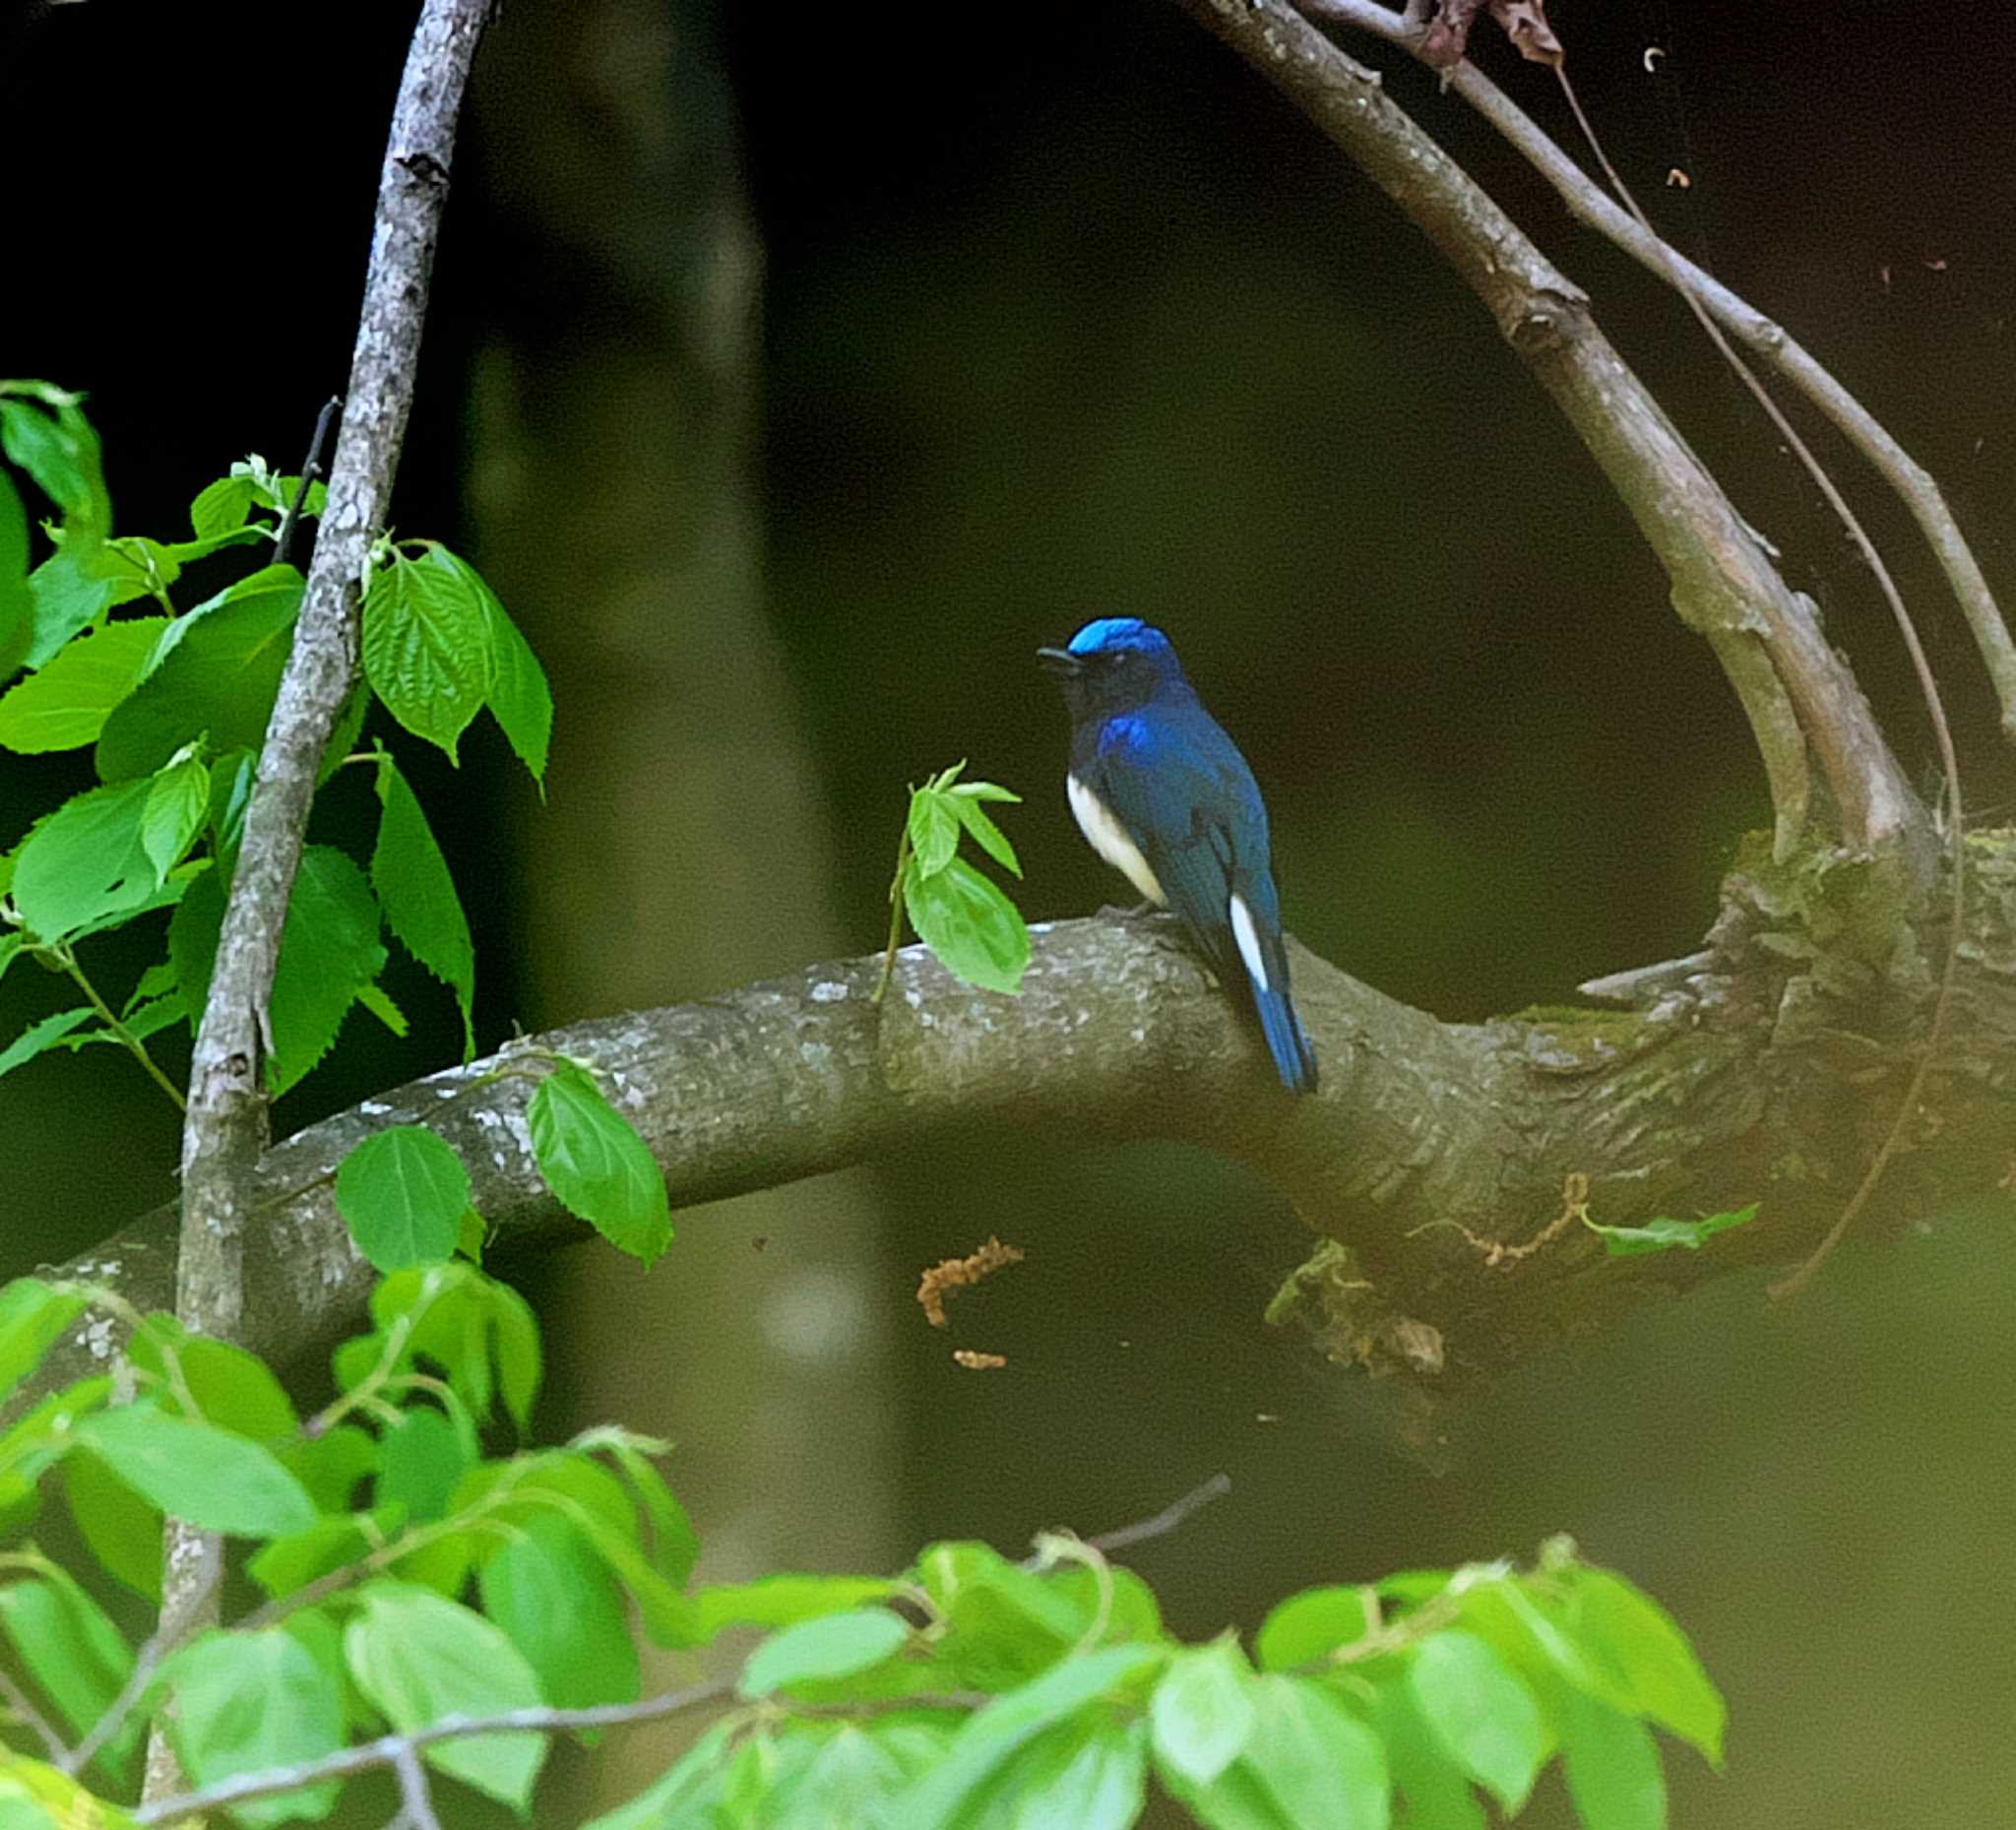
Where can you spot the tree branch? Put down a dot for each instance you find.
(1766, 636)
(1768, 1074)
(225, 1125)
(1767, 340)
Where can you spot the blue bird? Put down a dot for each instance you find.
(1164, 795)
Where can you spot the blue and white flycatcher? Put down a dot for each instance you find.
(1164, 795)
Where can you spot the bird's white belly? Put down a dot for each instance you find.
(1108, 837)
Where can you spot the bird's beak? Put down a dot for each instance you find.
(1059, 659)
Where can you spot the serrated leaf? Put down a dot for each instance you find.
(85, 861)
(216, 671)
(402, 1193)
(245, 1702)
(64, 595)
(1201, 1714)
(17, 605)
(417, 893)
(598, 1165)
(427, 646)
(986, 835)
(933, 831)
(177, 804)
(418, 1656)
(67, 703)
(215, 1481)
(519, 700)
(378, 1001)
(827, 1647)
(329, 954)
(221, 507)
(39, 1038)
(1484, 1717)
(975, 931)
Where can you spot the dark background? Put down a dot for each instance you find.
(1064, 315)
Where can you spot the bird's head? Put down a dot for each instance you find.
(1113, 663)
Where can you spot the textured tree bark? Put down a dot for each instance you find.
(1766, 1076)
(226, 1127)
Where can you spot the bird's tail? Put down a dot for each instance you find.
(1287, 1041)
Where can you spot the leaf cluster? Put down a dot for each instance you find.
(172, 706)
(412, 1571)
(961, 914)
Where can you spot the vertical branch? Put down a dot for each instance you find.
(227, 1124)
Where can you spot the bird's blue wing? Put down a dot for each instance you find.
(1185, 794)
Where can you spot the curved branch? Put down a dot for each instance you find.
(1724, 586)
(1761, 1075)
(1768, 339)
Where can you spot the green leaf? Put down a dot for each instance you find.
(675, 1799)
(675, 1544)
(427, 646)
(418, 897)
(976, 934)
(1438, 1795)
(39, 1038)
(831, 1646)
(402, 1193)
(933, 830)
(856, 1770)
(123, 1530)
(1307, 1626)
(233, 1389)
(1482, 1714)
(991, 1736)
(85, 861)
(60, 451)
(520, 701)
(595, 1161)
(1309, 1762)
(221, 507)
(215, 1481)
(283, 1565)
(552, 1597)
(65, 593)
(217, 671)
(1201, 1715)
(521, 1363)
(329, 954)
(1626, 1626)
(245, 1702)
(70, 1647)
(378, 1002)
(418, 1656)
(1007, 1622)
(421, 1461)
(177, 804)
(1612, 1766)
(1663, 1235)
(786, 1599)
(331, 1465)
(17, 603)
(965, 800)
(66, 704)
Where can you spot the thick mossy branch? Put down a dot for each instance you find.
(1767, 1076)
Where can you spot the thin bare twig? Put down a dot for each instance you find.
(191, 1609)
(30, 1717)
(311, 469)
(389, 1750)
(416, 1800)
(1763, 337)
(1168, 1519)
